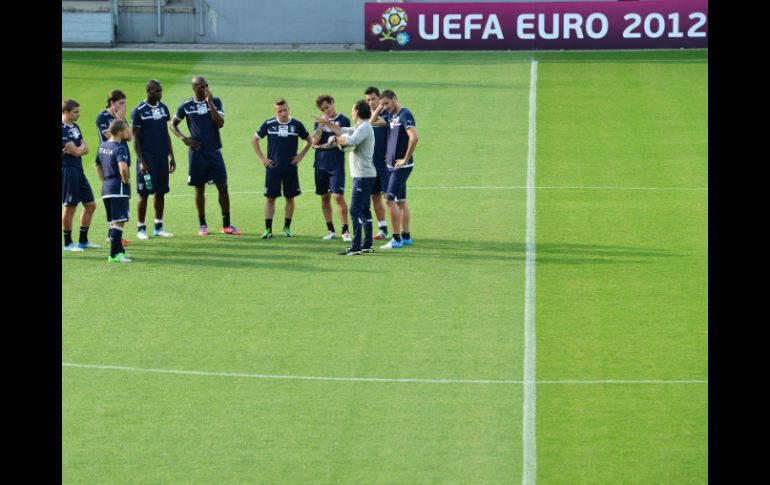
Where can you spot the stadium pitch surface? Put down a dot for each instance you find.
(239, 360)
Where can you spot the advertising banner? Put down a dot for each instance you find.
(650, 24)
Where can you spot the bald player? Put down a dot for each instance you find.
(205, 117)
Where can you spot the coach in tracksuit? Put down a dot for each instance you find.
(361, 141)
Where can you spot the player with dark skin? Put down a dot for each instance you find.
(154, 94)
(202, 93)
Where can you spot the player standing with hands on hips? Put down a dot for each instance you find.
(283, 133)
(205, 117)
(154, 157)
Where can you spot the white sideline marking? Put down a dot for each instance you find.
(505, 187)
(529, 474)
(371, 379)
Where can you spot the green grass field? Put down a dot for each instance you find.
(621, 294)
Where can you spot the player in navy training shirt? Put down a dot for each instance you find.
(205, 117)
(329, 167)
(402, 140)
(283, 133)
(75, 188)
(372, 97)
(115, 110)
(154, 155)
(113, 160)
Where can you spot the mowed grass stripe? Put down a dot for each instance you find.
(623, 275)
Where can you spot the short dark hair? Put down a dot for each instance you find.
(152, 82)
(362, 107)
(69, 105)
(324, 98)
(117, 126)
(388, 94)
(372, 90)
(280, 102)
(115, 95)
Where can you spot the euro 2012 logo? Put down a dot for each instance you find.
(392, 23)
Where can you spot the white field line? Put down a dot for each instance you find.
(371, 379)
(529, 435)
(506, 187)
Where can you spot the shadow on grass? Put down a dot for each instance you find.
(547, 253)
(309, 254)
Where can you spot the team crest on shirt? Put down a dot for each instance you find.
(291, 128)
(74, 132)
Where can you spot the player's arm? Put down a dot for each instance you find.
(375, 119)
(99, 172)
(349, 136)
(70, 149)
(258, 150)
(411, 132)
(194, 144)
(319, 130)
(298, 157)
(125, 173)
(138, 149)
(216, 114)
(172, 161)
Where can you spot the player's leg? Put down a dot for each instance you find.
(272, 192)
(288, 215)
(196, 177)
(290, 181)
(406, 237)
(86, 215)
(141, 212)
(323, 189)
(269, 213)
(380, 187)
(356, 213)
(160, 186)
(200, 206)
(337, 184)
(119, 217)
(217, 172)
(70, 198)
(366, 214)
(67, 214)
(143, 193)
(395, 188)
(89, 207)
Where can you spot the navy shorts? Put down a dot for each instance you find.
(158, 174)
(397, 184)
(75, 187)
(117, 208)
(276, 177)
(381, 181)
(329, 181)
(205, 167)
